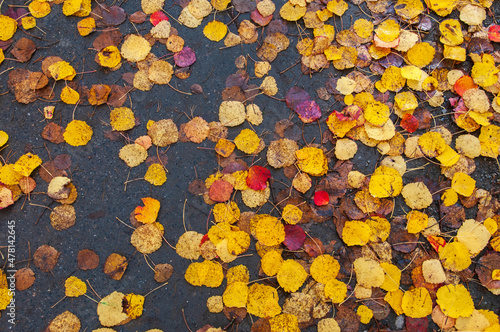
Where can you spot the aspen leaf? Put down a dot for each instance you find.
(224, 147)
(392, 277)
(380, 228)
(122, 118)
(338, 7)
(156, 174)
(226, 212)
(433, 272)
(451, 32)
(432, 144)
(385, 182)
(388, 30)
(8, 27)
(271, 262)
(188, 245)
(417, 221)
(69, 96)
(135, 48)
(392, 79)
(395, 300)
(312, 161)
(455, 301)
(215, 31)
(232, 113)
(369, 273)
(263, 301)
(417, 195)
(417, 303)
(110, 310)
(62, 70)
(133, 305)
(356, 233)
(77, 133)
(86, 26)
(463, 184)
(28, 22)
(149, 212)
(39, 8)
(74, 287)
(132, 154)
(291, 275)
(6, 296)
(236, 294)
(269, 230)
(115, 266)
(215, 304)
(207, 273)
(292, 12)
(365, 314)
(247, 141)
(324, 268)
(335, 290)
(474, 236)
(291, 214)
(455, 256)
(27, 163)
(66, 321)
(147, 238)
(284, 323)
(109, 57)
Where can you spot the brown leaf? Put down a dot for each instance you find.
(62, 161)
(236, 314)
(63, 217)
(163, 272)
(262, 325)
(400, 239)
(138, 17)
(117, 95)
(107, 38)
(99, 94)
(45, 258)
(234, 93)
(23, 49)
(48, 171)
(47, 62)
(484, 269)
(347, 318)
(115, 266)
(22, 83)
(313, 247)
(197, 187)
(87, 259)
(452, 216)
(25, 278)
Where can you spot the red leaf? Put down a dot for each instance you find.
(314, 247)
(220, 191)
(257, 177)
(321, 198)
(157, 17)
(204, 239)
(294, 237)
(259, 19)
(295, 96)
(308, 111)
(417, 324)
(494, 33)
(409, 123)
(185, 58)
(436, 242)
(463, 84)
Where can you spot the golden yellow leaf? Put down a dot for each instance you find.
(77, 133)
(148, 213)
(27, 164)
(215, 30)
(409, 9)
(188, 245)
(62, 70)
(380, 228)
(263, 301)
(324, 268)
(28, 22)
(395, 300)
(451, 32)
(455, 301)
(69, 96)
(449, 157)
(417, 222)
(4, 137)
(39, 8)
(421, 54)
(156, 174)
(135, 48)
(5, 297)
(292, 12)
(226, 212)
(432, 144)
(71, 7)
(247, 141)
(385, 182)
(122, 118)
(238, 241)
(490, 141)
(365, 314)
(455, 256)
(474, 235)
(388, 30)
(338, 7)
(133, 154)
(9, 176)
(238, 273)
(284, 322)
(224, 147)
(291, 275)
(356, 233)
(417, 302)
(291, 214)
(236, 294)
(207, 273)
(463, 184)
(335, 290)
(392, 277)
(8, 27)
(363, 28)
(327, 31)
(369, 273)
(134, 305)
(86, 26)
(392, 79)
(312, 161)
(269, 230)
(441, 7)
(377, 113)
(109, 57)
(271, 262)
(484, 72)
(74, 287)
(449, 197)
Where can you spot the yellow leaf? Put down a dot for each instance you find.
(284, 323)
(188, 245)
(411, 73)
(62, 70)
(207, 273)
(28, 22)
(491, 225)
(291, 275)
(409, 9)
(75, 287)
(5, 297)
(454, 53)
(365, 314)
(39, 8)
(238, 241)
(77, 133)
(385, 182)
(392, 277)
(148, 213)
(86, 26)
(455, 256)
(312, 161)
(392, 79)
(388, 30)
(8, 27)
(226, 212)
(417, 222)
(463, 184)
(134, 305)
(269, 230)
(369, 273)
(451, 32)
(109, 57)
(490, 141)
(432, 144)
(122, 118)
(238, 273)
(449, 157)
(417, 303)
(356, 233)
(215, 31)
(69, 96)
(335, 290)
(263, 301)
(455, 301)
(363, 28)
(474, 235)
(4, 137)
(71, 7)
(380, 228)
(324, 268)
(338, 7)
(27, 164)
(9, 176)
(291, 12)
(135, 48)
(377, 113)
(220, 5)
(395, 300)
(327, 31)
(484, 72)
(224, 147)
(271, 262)
(247, 141)
(236, 295)
(156, 174)
(421, 54)
(291, 214)
(441, 7)
(2, 56)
